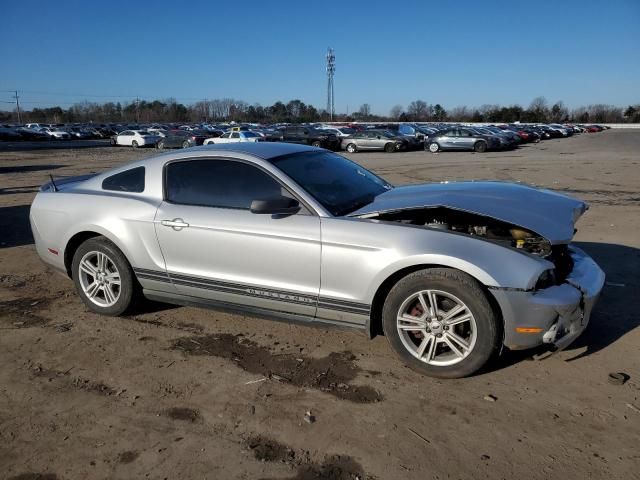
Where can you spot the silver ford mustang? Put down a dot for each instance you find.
(449, 272)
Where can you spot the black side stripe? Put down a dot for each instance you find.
(253, 291)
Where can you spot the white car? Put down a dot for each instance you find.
(56, 133)
(235, 137)
(135, 138)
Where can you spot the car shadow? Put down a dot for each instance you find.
(15, 227)
(18, 190)
(28, 168)
(52, 145)
(614, 315)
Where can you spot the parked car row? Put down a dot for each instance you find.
(355, 137)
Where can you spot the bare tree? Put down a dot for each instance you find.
(538, 110)
(365, 110)
(418, 110)
(395, 112)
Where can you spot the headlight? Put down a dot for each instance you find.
(547, 279)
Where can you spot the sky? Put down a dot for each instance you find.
(387, 53)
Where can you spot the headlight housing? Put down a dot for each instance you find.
(547, 279)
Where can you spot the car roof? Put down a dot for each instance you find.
(263, 150)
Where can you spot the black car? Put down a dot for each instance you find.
(9, 134)
(181, 139)
(310, 136)
(29, 134)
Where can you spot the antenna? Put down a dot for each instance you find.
(331, 69)
(53, 184)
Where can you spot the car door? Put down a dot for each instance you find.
(224, 138)
(215, 248)
(465, 139)
(451, 139)
(125, 138)
(368, 141)
(235, 137)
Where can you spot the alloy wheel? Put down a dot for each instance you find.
(99, 279)
(436, 327)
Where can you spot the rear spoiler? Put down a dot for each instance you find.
(55, 185)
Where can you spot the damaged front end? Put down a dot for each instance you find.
(555, 309)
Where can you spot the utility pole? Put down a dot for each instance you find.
(18, 105)
(137, 112)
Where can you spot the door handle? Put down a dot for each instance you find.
(176, 224)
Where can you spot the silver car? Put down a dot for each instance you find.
(460, 138)
(449, 272)
(374, 140)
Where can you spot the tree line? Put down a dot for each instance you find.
(296, 111)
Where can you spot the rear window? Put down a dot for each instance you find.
(127, 181)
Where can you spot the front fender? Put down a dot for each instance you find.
(359, 255)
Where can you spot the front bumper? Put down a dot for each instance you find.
(556, 315)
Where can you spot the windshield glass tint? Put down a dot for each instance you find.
(340, 185)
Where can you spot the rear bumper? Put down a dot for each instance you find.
(556, 315)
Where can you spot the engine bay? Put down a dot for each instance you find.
(471, 224)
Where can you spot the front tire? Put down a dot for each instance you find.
(103, 277)
(390, 147)
(185, 144)
(352, 148)
(134, 144)
(434, 147)
(453, 340)
(316, 144)
(160, 145)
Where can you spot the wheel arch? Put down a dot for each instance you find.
(374, 324)
(77, 239)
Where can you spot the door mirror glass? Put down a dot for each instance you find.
(275, 206)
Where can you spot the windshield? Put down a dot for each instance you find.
(340, 185)
(250, 134)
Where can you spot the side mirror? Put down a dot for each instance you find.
(378, 137)
(275, 206)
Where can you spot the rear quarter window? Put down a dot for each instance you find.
(127, 181)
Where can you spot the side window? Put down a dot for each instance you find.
(127, 181)
(225, 135)
(235, 135)
(218, 183)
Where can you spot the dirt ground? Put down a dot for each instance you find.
(185, 393)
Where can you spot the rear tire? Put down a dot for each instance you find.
(93, 277)
(160, 145)
(316, 144)
(424, 341)
(352, 148)
(390, 147)
(185, 144)
(113, 142)
(480, 146)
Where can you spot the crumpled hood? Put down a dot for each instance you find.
(549, 214)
